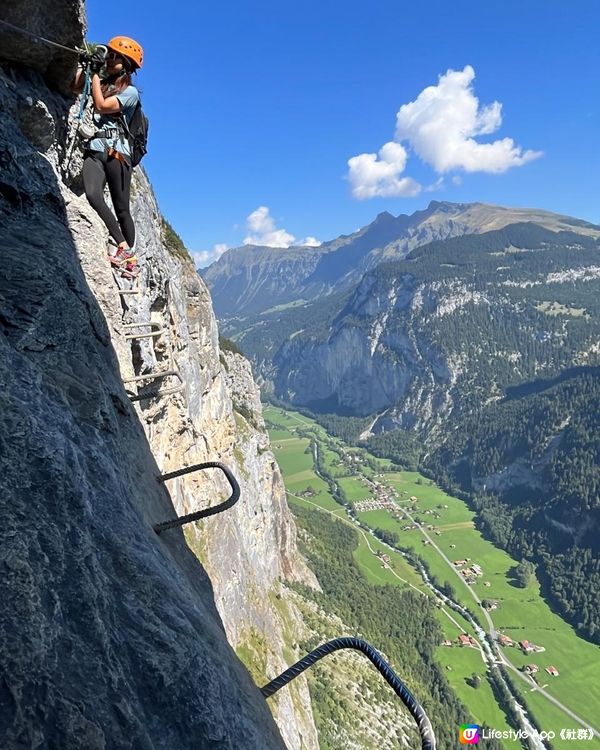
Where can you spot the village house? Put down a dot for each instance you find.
(552, 671)
(531, 668)
(446, 643)
(529, 648)
(504, 640)
(489, 604)
(466, 640)
(460, 563)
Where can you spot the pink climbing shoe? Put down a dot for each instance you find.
(123, 257)
(131, 270)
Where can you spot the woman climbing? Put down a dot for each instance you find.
(107, 156)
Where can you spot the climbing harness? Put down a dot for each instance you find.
(191, 517)
(416, 710)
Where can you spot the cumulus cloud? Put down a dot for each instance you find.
(310, 242)
(440, 126)
(378, 175)
(262, 231)
(443, 121)
(204, 258)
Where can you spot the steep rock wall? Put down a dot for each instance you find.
(110, 629)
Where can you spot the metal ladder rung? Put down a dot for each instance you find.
(128, 291)
(157, 332)
(158, 394)
(154, 376)
(191, 517)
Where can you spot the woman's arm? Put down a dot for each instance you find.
(78, 81)
(109, 106)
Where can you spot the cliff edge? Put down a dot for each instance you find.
(112, 636)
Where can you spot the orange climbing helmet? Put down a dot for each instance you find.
(129, 48)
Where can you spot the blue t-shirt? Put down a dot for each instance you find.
(128, 98)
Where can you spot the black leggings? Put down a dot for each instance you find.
(99, 170)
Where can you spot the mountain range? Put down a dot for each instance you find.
(252, 279)
(464, 339)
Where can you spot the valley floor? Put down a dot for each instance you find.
(440, 531)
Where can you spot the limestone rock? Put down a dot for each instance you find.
(109, 634)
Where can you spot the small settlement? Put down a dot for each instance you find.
(527, 648)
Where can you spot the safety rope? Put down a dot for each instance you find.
(417, 711)
(39, 38)
(191, 517)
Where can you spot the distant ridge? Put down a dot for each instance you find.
(251, 279)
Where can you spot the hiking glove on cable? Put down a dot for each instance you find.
(97, 60)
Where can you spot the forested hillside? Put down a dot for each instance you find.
(250, 280)
(476, 358)
(401, 622)
(531, 463)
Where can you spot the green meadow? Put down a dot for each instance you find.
(522, 613)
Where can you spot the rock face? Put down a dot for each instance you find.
(112, 636)
(447, 329)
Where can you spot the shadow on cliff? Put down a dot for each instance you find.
(109, 635)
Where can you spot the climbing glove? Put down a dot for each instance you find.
(97, 60)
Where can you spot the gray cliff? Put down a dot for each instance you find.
(112, 636)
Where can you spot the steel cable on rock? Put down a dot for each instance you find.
(39, 38)
(416, 710)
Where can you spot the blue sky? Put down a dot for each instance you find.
(257, 108)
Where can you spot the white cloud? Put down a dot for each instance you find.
(457, 180)
(204, 258)
(378, 175)
(442, 122)
(310, 242)
(440, 126)
(262, 230)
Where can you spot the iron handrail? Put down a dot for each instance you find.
(416, 710)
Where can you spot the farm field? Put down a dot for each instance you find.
(521, 614)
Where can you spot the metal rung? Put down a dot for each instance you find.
(191, 517)
(152, 334)
(128, 291)
(157, 394)
(154, 376)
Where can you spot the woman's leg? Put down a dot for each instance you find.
(118, 176)
(94, 180)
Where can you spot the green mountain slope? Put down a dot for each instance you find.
(248, 280)
(480, 354)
